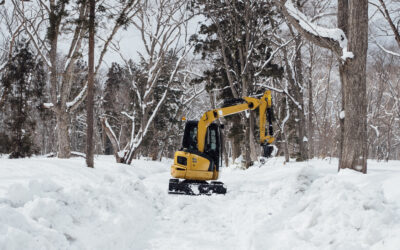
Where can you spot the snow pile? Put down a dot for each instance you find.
(332, 212)
(79, 208)
(342, 114)
(60, 204)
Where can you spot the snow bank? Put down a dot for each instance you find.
(329, 212)
(76, 208)
(60, 204)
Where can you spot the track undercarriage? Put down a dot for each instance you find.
(191, 187)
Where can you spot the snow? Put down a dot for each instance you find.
(386, 50)
(78, 154)
(335, 34)
(78, 97)
(122, 153)
(50, 203)
(342, 115)
(305, 139)
(375, 129)
(48, 105)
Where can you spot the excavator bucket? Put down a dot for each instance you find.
(190, 187)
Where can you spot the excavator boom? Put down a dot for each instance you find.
(264, 104)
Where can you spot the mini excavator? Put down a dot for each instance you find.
(200, 157)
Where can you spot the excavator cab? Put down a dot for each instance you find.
(213, 144)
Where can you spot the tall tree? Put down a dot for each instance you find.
(90, 101)
(163, 26)
(45, 23)
(350, 43)
(24, 79)
(235, 38)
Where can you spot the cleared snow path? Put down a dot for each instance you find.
(59, 204)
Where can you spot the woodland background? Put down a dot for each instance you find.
(191, 56)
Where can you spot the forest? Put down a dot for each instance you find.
(332, 67)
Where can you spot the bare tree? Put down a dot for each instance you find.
(46, 23)
(390, 14)
(90, 88)
(162, 24)
(350, 43)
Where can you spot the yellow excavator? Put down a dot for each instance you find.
(200, 157)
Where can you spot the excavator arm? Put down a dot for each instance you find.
(265, 110)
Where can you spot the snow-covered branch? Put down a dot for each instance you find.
(330, 38)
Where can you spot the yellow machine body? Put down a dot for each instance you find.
(196, 167)
(201, 155)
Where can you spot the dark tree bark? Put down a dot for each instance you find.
(90, 90)
(310, 118)
(310, 128)
(353, 75)
(298, 95)
(63, 124)
(342, 17)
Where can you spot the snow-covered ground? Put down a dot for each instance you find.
(48, 203)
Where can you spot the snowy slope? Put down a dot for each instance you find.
(60, 204)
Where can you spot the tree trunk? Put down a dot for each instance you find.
(353, 71)
(298, 95)
(114, 141)
(286, 146)
(253, 148)
(64, 147)
(296, 81)
(310, 108)
(388, 144)
(236, 152)
(310, 120)
(90, 90)
(247, 144)
(225, 149)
